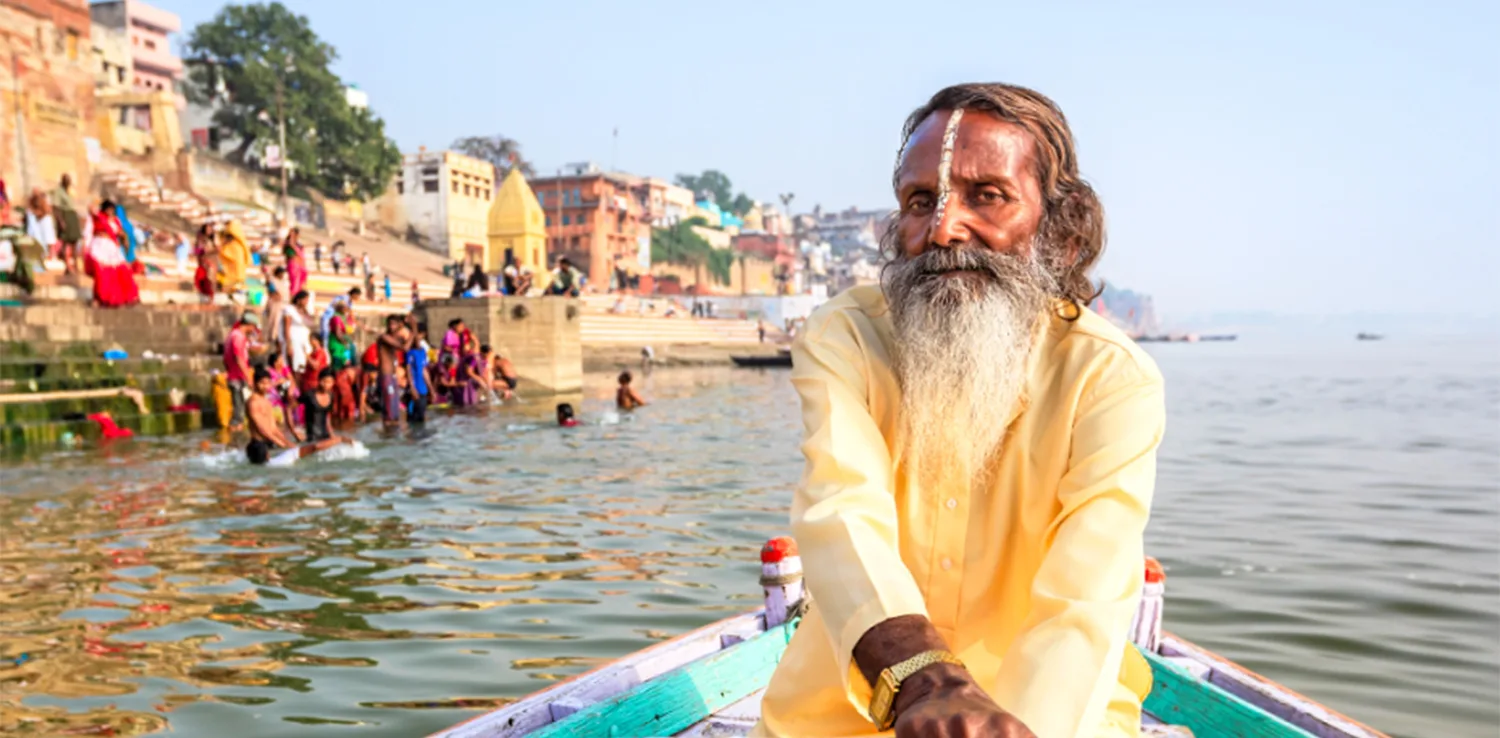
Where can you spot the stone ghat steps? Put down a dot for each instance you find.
(190, 382)
(618, 329)
(49, 433)
(79, 369)
(72, 409)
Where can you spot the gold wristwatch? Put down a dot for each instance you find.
(883, 691)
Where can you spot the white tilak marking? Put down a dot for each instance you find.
(945, 166)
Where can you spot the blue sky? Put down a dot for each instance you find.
(1301, 158)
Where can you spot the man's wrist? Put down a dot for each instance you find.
(928, 681)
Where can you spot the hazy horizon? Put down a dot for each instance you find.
(1301, 160)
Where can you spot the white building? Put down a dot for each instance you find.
(447, 196)
(356, 97)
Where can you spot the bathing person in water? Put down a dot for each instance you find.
(317, 405)
(565, 415)
(266, 433)
(626, 398)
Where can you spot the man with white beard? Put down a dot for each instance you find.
(981, 453)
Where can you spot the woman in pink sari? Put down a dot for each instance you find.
(104, 261)
(296, 266)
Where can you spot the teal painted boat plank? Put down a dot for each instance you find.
(674, 701)
(1179, 698)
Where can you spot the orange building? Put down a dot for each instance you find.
(46, 94)
(597, 220)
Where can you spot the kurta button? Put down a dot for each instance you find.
(947, 563)
(952, 503)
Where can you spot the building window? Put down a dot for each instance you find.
(400, 187)
(486, 194)
(549, 221)
(73, 45)
(577, 197)
(467, 191)
(121, 74)
(455, 187)
(150, 44)
(567, 220)
(429, 185)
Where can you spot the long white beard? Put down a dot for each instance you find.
(963, 356)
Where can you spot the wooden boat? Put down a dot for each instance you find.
(708, 683)
(1368, 337)
(782, 359)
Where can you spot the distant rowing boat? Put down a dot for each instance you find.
(1369, 337)
(782, 358)
(709, 682)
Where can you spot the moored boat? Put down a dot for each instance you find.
(782, 359)
(709, 682)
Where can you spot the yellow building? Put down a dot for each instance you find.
(518, 227)
(447, 198)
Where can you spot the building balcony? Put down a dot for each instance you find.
(158, 61)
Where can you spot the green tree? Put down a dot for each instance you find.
(250, 55)
(717, 186)
(682, 246)
(502, 153)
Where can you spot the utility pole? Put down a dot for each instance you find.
(281, 126)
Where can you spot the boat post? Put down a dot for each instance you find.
(781, 578)
(1145, 628)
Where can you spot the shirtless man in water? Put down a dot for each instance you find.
(266, 432)
(392, 347)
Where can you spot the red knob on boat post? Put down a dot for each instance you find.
(1154, 572)
(778, 549)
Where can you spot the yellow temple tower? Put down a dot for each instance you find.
(518, 227)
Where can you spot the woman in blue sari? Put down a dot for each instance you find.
(129, 229)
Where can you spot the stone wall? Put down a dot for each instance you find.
(540, 335)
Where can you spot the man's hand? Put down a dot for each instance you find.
(942, 701)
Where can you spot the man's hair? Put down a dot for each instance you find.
(565, 260)
(355, 292)
(1072, 226)
(484, 349)
(261, 373)
(625, 377)
(258, 453)
(107, 204)
(66, 181)
(279, 272)
(394, 318)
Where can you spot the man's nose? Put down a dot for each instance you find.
(949, 227)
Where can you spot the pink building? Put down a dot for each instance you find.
(153, 65)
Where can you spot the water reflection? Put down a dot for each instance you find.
(1326, 518)
(448, 571)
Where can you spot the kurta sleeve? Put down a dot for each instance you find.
(1061, 670)
(844, 512)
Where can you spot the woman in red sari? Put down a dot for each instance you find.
(296, 266)
(104, 261)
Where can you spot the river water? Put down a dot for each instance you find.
(1328, 514)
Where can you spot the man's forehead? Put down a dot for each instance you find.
(983, 143)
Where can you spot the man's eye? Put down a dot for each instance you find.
(919, 202)
(990, 196)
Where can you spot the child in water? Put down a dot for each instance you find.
(626, 397)
(565, 415)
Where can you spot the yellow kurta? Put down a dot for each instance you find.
(234, 256)
(1032, 581)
